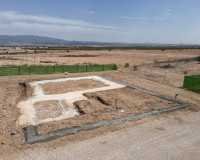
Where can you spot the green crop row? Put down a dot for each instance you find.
(192, 82)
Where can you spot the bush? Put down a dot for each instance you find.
(126, 65)
(156, 63)
(198, 58)
(135, 68)
(185, 72)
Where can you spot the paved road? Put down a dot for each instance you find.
(169, 138)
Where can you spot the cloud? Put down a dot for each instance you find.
(83, 11)
(136, 18)
(126, 17)
(166, 16)
(15, 23)
(11, 17)
(142, 18)
(168, 10)
(91, 12)
(168, 13)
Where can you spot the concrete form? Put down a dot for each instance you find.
(32, 135)
(28, 113)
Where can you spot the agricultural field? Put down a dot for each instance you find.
(54, 102)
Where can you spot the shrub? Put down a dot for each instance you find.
(198, 58)
(185, 72)
(135, 68)
(156, 63)
(126, 65)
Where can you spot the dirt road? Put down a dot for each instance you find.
(172, 137)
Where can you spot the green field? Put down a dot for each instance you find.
(28, 70)
(192, 82)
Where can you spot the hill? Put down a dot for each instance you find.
(40, 40)
(30, 40)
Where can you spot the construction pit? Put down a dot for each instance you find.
(66, 106)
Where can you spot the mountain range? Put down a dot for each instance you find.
(32, 40)
(40, 40)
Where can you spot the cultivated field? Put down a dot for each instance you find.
(158, 71)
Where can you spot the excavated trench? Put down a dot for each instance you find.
(88, 107)
(92, 105)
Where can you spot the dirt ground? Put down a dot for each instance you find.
(170, 73)
(175, 137)
(119, 57)
(142, 63)
(47, 109)
(11, 93)
(129, 100)
(70, 86)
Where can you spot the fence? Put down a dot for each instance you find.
(192, 82)
(27, 70)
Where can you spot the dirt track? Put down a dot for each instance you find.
(175, 137)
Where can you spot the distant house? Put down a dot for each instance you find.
(11, 48)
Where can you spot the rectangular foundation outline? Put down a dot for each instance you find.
(32, 136)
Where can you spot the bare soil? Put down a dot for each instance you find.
(47, 109)
(11, 92)
(147, 60)
(174, 137)
(70, 86)
(107, 105)
(170, 73)
(119, 57)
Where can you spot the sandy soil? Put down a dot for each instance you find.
(175, 137)
(170, 73)
(119, 57)
(70, 86)
(129, 100)
(11, 93)
(143, 59)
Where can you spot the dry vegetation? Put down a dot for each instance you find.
(119, 57)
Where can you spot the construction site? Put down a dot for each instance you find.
(66, 106)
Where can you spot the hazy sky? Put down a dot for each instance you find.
(155, 21)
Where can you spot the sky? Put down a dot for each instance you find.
(129, 21)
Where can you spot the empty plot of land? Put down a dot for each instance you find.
(70, 86)
(133, 57)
